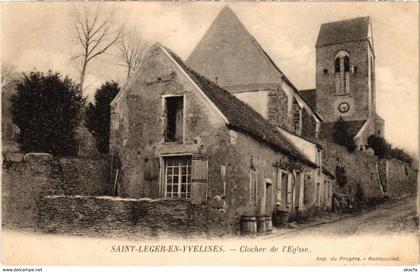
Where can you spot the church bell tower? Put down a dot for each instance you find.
(345, 70)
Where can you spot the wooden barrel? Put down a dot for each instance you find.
(268, 224)
(248, 225)
(280, 218)
(261, 225)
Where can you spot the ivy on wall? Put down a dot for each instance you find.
(340, 174)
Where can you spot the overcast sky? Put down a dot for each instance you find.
(40, 35)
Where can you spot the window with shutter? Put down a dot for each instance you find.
(178, 177)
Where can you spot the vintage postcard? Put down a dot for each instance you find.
(215, 133)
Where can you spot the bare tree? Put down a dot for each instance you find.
(131, 50)
(8, 72)
(96, 32)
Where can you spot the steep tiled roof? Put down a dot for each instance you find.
(241, 116)
(228, 52)
(343, 31)
(310, 97)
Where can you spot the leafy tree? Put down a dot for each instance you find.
(342, 135)
(46, 109)
(98, 115)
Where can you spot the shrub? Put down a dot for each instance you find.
(98, 115)
(383, 149)
(401, 155)
(46, 108)
(379, 145)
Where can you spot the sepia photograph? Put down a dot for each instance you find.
(211, 133)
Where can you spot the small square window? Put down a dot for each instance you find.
(325, 71)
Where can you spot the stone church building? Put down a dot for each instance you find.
(228, 130)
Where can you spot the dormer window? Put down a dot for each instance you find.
(342, 73)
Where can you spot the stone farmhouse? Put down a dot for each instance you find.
(228, 130)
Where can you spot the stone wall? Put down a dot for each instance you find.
(398, 178)
(278, 111)
(308, 124)
(377, 178)
(117, 216)
(382, 174)
(24, 182)
(359, 168)
(85, 176)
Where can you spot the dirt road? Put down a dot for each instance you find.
(397, 216)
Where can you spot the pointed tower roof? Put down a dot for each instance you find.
(230, 55)
(355, 29)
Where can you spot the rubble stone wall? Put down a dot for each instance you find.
(401, 179)
(360, 169)
(378, 178)
(113, 215)
(25, 181)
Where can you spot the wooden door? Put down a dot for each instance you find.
(281, 189)
(268, 197)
